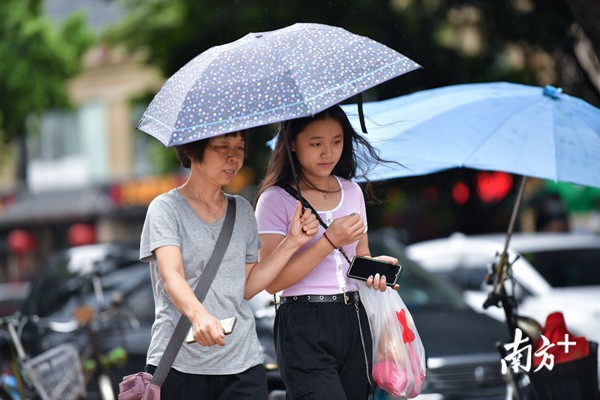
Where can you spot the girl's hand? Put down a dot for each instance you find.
(346, 230)
(379, 282)
(303, 226)
(207, 331)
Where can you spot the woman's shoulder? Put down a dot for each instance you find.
(167, 199)
(242, 204)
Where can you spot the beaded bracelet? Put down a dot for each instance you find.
(329, 240)
(337, 248)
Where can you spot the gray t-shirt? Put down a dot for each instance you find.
(171, 221)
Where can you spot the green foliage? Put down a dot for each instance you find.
(455, 41)
(35, 60)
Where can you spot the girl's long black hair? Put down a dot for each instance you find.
(357, 155)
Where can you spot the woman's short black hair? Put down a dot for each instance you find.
(195, 150)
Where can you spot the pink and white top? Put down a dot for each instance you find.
(274, 210)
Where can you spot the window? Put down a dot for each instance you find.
(570, 267)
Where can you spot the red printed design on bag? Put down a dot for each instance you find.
(407, 335)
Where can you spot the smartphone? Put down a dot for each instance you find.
(364, 267)
(227, 325)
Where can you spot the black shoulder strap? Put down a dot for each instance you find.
(204, 282)
(304, 202)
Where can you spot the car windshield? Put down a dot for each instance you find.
(567, 267)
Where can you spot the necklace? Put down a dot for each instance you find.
(324, 193)
(205, 205)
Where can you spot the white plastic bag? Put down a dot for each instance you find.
(398, 353)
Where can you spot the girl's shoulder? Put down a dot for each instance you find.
(347, 184)
(273, 193)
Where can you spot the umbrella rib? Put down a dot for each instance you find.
(155, 120)
(289, 105)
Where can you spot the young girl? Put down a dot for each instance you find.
(322, 334)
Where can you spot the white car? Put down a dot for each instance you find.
(552, 272)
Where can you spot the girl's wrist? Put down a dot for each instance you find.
(329, 240)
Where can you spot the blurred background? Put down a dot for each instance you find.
(75, 77)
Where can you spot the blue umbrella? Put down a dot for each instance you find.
(526, 130)
(530, 131)
(268, 77)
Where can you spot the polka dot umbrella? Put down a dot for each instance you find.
(268, 77)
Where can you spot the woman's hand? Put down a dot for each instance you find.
(303, 226)
(346, 230)
(207, 330)
(378, 282)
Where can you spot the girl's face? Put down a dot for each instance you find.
(223, 158)
(319, 147)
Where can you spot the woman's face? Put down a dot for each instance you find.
(319, 147)
(223, 158)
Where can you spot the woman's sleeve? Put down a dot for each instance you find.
(252, 240)
(272, 212)
(160, 229)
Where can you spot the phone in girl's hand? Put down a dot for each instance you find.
(364, 267)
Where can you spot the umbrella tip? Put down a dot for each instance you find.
(552, 91)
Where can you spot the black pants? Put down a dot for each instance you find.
(320, 352)
(248, 385)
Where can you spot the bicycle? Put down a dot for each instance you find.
(97, 366)
(55, 374)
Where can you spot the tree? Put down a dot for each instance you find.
(526, 41)
(36, 59)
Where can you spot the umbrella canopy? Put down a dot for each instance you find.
(268, 77)
(526, 130)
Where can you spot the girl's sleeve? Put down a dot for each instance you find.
(272, 212)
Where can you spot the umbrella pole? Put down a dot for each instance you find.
(498, 293)
(515, 212)
(288, 148)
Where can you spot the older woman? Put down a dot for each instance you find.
(177, 240)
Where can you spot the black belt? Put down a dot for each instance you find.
(346, 298)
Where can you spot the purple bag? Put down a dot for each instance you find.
(138, 387)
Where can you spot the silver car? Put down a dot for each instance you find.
(551, 271)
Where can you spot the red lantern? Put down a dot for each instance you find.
(21, 241)
(80, 234)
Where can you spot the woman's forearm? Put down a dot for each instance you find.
(300, 265)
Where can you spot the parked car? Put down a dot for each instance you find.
(551, 271)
